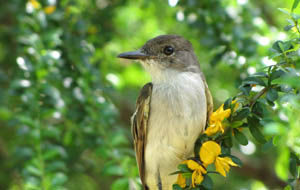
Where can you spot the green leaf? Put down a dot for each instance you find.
(53, 152)
(294, 156)
(272, 95)
(188, 181)
(267, 145)
(227, 103)
(276, 74)
(295, 4)
(59, 179)
(254, 80)
(293, 167)
(33, 170)
(256, 133)
(121, 183)
(285, 88)
(184, 168)
(111, 169)
(270, 103)
(225, 150)
(288, 187)
(253, 121)
(187, 175)
(281, 46)
(236, 124)
(246, 90)
(295, 16)
(258, 109)
(288, 27)
(5, 114)
(242, 114)
(282, 163)
(228, 142)
(274, 55)
(236, 160)
(260, 74)
(207, 182)
(284, 10)
(286, 45)
(273, 128)
(276, 47)
(240, 137)
(275, 140)
(290, 21)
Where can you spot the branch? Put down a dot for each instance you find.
(258, 95)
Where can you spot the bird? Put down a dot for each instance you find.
(171, 111)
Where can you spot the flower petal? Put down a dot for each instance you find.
(224, 114)
(199, 177)
(181, 181)
(220, 114)
(193, 165)
(193, 178)
(211, 130)
(223, 165)
(219, 167)
(209, 151)
(229, 161)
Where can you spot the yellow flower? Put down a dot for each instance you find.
(215, 122)
(220, 114)
(181, 181)
(214, 128)
(49, 9)
(209, 151)
(223, 165)
(198, 170)
(35, 4)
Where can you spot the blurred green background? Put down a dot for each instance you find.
(66, 100)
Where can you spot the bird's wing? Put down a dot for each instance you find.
(139, 128)
(209, 99)
(209, 102)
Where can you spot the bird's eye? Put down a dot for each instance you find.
(168, 50)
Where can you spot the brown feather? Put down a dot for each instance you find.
(139, 128)
(209, 99)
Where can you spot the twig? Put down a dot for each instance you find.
(258, 95)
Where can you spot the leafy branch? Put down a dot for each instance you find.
(251, 109)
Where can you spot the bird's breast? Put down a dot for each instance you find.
(177, 113)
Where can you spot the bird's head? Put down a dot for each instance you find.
(165, 54)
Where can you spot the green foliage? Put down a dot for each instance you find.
(65, 100)
(260, 108)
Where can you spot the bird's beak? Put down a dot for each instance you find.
(133, 55)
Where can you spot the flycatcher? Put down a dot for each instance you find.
(171, 111)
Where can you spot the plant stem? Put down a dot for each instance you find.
(258, 95)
